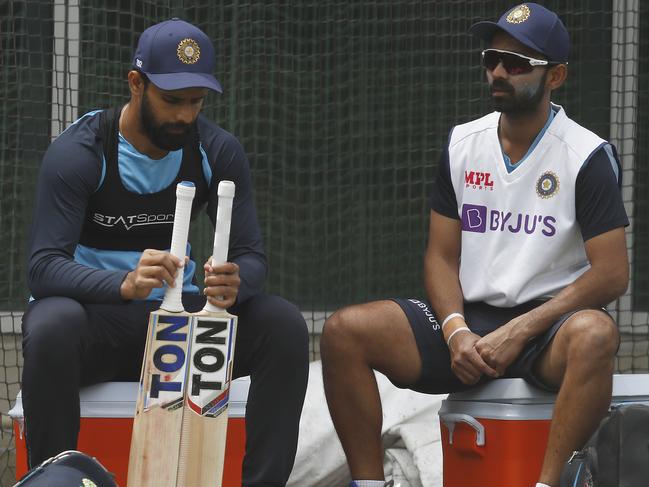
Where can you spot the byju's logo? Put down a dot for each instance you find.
(474, 218)
(477, 218)
(478, 180)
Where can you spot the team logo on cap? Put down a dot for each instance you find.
(188, 51)
(547, 185)
(519, 15)
(88, 483)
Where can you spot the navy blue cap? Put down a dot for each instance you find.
(174, 55)
(533, 25)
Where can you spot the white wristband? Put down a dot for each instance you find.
(450, 317)
(462, 328)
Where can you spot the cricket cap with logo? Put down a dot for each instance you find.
(533, 25)
(175, 54)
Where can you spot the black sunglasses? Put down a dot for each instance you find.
(513, 62)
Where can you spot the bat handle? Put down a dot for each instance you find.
(184, 196)
(210, 308)
(222, 231)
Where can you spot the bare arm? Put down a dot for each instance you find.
(442, 266)
(606, 280)
(444, 292)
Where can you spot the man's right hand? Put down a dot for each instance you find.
(154, 269)
(466, 362)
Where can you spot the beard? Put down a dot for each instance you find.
(166, 136)
(514, 103)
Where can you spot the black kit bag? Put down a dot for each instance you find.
(617, 455)
(68, 469)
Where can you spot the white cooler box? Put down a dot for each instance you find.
(495, 435)
(107, 420)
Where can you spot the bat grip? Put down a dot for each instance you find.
(184, 196)
(222, 231)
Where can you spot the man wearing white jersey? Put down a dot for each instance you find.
(526, 246)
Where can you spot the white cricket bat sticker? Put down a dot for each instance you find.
(170, 336)
(210, 368)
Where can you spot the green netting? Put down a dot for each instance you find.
(641, 229)
(342, 107)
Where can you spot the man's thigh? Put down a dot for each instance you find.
(269, 328)
(437, 377)
(262, 319)
(94, 342)
(121, 332)
(372, 335)
(548, 360)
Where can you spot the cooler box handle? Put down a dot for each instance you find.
(449, 420)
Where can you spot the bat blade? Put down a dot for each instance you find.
(202, 448)
(157, 427)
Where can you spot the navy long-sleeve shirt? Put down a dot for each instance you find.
(73, 169)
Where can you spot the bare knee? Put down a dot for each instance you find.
(592, 337)
(377, 335)
(342, 333)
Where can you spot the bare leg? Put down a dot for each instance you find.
(355, 341)
(580, 360)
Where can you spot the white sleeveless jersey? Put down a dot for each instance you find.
(520, 236)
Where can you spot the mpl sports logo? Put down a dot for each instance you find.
(130, 221)
(480, 219)
(478, 180)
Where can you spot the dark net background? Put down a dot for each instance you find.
(342, 107)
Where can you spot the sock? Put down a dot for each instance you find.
(367, 483)
(539, 484)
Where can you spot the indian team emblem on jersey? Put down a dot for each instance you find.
(547, 185)
(188, 51)
(519, 15)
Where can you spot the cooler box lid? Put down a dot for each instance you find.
(630, 388)
(508, 391)
(117, 400)
(515, 399)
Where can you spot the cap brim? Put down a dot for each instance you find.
(485, 30)
(179, 81)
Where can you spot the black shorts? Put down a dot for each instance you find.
(437, 377)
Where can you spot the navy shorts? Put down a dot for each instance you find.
(437, 377)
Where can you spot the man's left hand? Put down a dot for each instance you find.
(221, 283)
(500, 348)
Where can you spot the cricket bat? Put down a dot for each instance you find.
(181, 412)
(202, 447)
